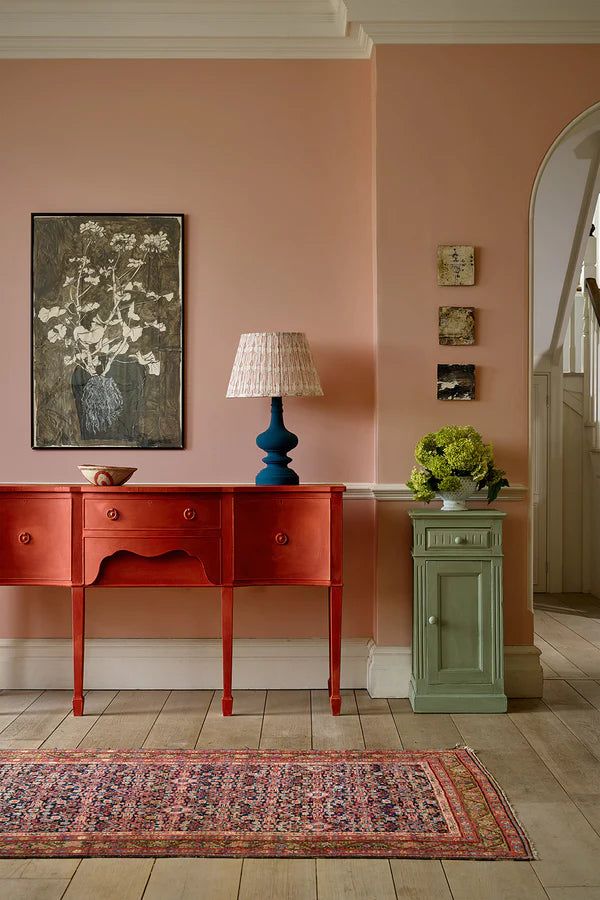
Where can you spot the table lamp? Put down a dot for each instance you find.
(275, 364)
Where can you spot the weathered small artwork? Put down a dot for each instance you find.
(457, 325)
(107, 306)
(455, 382)
(455, 265)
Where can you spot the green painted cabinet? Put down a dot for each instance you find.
(458, 648)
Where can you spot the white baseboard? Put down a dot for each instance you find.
(523, 676)
(388, 671)
(130, 664)
(177, 664)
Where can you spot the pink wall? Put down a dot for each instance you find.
(461, 132)
(271, 163)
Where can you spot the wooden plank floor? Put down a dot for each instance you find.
(545, 754)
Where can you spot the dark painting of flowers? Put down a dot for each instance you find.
(107, 330)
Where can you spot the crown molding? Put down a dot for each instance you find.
(356, 45)
(227, 29)
(499, 32)
(278, 29)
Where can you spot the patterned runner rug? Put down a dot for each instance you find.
(427, 804)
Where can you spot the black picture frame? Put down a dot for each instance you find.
(100, 393)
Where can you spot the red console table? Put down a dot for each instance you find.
(175, 535)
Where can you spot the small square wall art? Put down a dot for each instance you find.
(456, 325)
(455, 382)
(455, 265)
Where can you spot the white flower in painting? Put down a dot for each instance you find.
(122, 242)
(57, 333)
(93, 229)
(135, 263)
(160, 326)
(152, 295)
(132, 334)
(168, 297)
(92, 279)
(149, 361)
(69, 280)
(155, 243)
(89, 336)
(52, 313)
(131, 314)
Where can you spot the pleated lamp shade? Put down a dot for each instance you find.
(274, 364)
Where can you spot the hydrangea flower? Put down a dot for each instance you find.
(452, 453)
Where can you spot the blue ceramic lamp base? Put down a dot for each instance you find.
(276, 441)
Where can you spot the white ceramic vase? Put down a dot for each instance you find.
(457, 500)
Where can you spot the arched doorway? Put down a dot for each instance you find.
(562, 208)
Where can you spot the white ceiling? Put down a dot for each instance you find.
(281, 28)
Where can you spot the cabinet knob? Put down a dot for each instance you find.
(433, 620)
(460, 540)
(25, 537)
(112, 513)
(281, 538)
(189, 513)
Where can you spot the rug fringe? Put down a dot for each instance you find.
(502, 793)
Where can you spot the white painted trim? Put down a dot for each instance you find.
(476, 32)
(402, 492)
(273, 29)
(523, 676)
(172, 664)
(388, 671)
(136, 664)
(353, 44)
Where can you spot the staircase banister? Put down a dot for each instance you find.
(593, 292)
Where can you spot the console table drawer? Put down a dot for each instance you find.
(35, 539)
(281, 539)
(181, 511)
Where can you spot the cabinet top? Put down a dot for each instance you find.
(173, 488)
(450, 515)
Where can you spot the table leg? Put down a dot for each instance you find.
(78, 607)
(335, 625)
(227, 641)
(329, 639)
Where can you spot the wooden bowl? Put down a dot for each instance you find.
(107, 476)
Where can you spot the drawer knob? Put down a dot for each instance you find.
(25, 537)
(112, 513)
(189, 513)
(460, 540)
(281, 538)
(433, 620)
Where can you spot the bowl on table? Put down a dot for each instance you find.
(107, 476)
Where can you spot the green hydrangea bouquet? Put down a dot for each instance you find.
(448, 457)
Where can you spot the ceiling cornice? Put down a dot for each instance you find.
(280, 28)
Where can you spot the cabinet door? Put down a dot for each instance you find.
(281, 539)
(458, 621)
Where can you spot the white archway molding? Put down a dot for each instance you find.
(563, 204)
(561, 208)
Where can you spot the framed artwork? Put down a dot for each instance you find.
(455, 265)
(456, 325)
(455, 382)
(107, 330)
